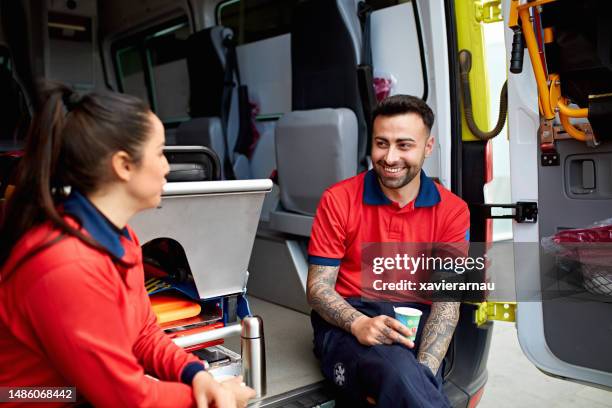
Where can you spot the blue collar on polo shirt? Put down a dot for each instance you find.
(95, 223)
(428, 195)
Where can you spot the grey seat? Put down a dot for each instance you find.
(192, 163)
(314, 149)
(204, 131)
(323, 140)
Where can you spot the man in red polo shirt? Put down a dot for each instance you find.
(362, 348)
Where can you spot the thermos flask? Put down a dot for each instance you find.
(253, 352)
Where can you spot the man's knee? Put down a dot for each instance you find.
(390, 360)
(398, 376)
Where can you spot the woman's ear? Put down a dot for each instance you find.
(122, 165)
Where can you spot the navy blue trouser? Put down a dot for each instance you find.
(388, 374)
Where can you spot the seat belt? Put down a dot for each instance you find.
(226, 102)
(245, 134)
(365, 75)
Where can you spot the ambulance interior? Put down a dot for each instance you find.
(255, 90)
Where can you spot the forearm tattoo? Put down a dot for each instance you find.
(323, 298)
(437, 334)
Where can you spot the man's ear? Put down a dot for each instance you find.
(429, 145)
(122, 165)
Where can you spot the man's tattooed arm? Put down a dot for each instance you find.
(437, 334)
(323, 298)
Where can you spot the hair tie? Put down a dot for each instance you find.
(71, 100)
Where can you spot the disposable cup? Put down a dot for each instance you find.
(409, 317)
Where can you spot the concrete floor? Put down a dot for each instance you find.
(515, 382)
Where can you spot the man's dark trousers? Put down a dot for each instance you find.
(388, 374)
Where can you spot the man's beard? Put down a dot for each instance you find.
(395, 183)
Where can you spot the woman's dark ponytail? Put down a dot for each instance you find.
(68, 141)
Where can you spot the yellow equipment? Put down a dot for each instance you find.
(523, 18)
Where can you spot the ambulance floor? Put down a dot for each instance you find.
(290, 363)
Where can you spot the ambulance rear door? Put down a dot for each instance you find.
(564, 315)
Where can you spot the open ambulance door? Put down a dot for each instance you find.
(561, 158)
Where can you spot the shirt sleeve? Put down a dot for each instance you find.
(327, 240)
(456, 232)
(457, 225)
(80, 318)
(157, 353)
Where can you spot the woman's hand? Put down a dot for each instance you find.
(208, 392)
(241, 392)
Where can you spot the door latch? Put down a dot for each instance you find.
(488, 11)
(524, 211)
(499, 311)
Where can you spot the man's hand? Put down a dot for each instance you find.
(208, 392)
(372, 331)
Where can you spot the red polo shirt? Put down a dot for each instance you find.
(72, 317)
(356, 211)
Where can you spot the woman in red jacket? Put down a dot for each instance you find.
(73, 307)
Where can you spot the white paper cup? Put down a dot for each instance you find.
(409, 317)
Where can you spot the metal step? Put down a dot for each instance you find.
(317, 395)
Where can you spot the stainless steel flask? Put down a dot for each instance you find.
(253, 352)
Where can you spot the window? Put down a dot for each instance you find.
(152, 65)
(131, 73)
(397, 52)
(255, 20)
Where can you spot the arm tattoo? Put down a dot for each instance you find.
(437, 334)
(323, 298)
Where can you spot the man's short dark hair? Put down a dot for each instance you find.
(401, 104)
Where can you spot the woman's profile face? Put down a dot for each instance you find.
(150, 176)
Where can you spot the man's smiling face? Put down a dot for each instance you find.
(400, 144)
